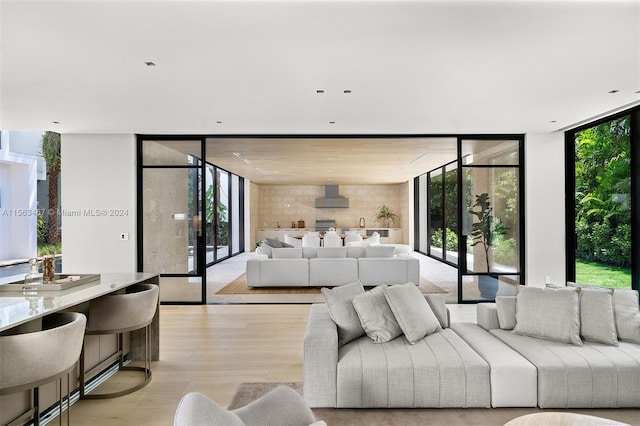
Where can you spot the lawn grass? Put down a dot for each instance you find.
(602, 275)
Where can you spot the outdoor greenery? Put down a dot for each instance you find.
(52, 158)
(603, 192)
(602, 275)
(486, 229)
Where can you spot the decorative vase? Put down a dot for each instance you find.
(488, 286)
(258, 250)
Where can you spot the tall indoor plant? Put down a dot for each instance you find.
(484, 232)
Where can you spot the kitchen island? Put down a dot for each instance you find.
(22, 312)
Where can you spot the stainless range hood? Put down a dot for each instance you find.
(331, 199)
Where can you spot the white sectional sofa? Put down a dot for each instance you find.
(331, 266)
(551, 348)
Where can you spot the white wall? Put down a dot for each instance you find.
(544, 208)
(98, 183)
(18, 201)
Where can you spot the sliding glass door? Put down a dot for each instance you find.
(491, 261)
(190, 215)
(602, 207)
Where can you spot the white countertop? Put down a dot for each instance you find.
(18, 307)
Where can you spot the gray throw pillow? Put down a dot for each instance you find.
(376, 316)
(596, 316)
(549, 313)
(506, 308)
(342, 312)
(627, 315)
(274, 242)
(412, 312)
(286, 245)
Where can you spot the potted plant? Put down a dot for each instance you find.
(484, 232)
(386, 215)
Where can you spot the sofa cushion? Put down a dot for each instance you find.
(310, 252)
(356, 251)
(596, 316)
(332, 272)
(412, 312)
(506, 308)
(589, 376)
(549, 313)
(439, 371)
(380, 251)
(376, 316)
(332, 252)
(274, 242)
(627, 315)
(287, 253)
(342, 312)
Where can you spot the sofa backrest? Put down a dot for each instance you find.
(438, 305)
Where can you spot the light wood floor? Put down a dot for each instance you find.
(212, 349)
(209, 349)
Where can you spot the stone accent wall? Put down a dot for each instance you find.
(284, 204)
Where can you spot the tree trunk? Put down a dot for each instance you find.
(52, 236)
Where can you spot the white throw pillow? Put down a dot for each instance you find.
(287, 253)
(627, 315)
(549, 313)
(376, 316)
(380, 251)
(596, 316)
(342, 312)
(412, 312)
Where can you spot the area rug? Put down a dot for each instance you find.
(239, 286)
(247, 392)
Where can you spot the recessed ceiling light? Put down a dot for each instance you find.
(55, 122)
(638, 91)
(319, 91)
(332, 122)
(218, 122)
(553, 121)
(614, 91)
(149, 64)
(347, 91)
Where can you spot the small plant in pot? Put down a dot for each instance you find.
(386, 215)
(484, 232)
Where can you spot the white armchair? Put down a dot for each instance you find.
(332, 239)
(352, 237)
(279, 406)
(310, 240)
(296, 242)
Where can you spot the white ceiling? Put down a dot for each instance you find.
(253, 67)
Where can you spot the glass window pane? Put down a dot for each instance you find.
(486, 287)
(222, 215)
(423, 215)
(451, 213)
(488, 152)
(171, 153)
(171, 220)
(603, 204)
(436, 221)
(491, 219)
(235, 218)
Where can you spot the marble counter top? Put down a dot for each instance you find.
(19, 307)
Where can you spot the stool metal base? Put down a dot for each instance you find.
(147, 374)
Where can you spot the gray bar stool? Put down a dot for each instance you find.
(117, 314)
(29, 360)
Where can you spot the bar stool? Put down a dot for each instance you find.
(30, 360)
(118, 314)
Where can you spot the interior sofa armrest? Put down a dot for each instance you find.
(487, 316)
(320, 362)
